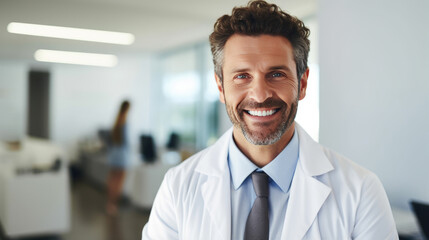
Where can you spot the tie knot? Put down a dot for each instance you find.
(260, 184)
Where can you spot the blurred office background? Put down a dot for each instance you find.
(367, 99)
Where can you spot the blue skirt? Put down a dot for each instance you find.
(118, 157)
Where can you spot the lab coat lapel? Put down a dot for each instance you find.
(216, 198)
(307, 193)
(216, 190)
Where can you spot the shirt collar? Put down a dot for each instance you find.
(280, 170)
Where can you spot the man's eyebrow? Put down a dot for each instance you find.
(280, 67)
(238, 70)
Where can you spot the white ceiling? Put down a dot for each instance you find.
(157, 24)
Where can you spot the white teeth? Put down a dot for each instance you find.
(262, 113)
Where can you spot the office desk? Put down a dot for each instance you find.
(34, 200)
(147, 179)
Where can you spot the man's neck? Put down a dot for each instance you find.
(261, 155)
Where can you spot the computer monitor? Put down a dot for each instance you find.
(147, 148)
(173, 141)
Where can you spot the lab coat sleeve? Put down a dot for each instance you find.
(162, 220)
(374, 219)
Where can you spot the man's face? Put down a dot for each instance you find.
(260, 86)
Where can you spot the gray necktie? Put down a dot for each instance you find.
(257, 226)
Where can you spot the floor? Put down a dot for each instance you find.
(90, 221)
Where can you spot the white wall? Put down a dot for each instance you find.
(83, 99)
(13, 100)
(374, 90)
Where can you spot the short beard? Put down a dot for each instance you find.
(257, 138)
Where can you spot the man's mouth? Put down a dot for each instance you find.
(262, 113)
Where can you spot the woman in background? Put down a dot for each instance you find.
(118, 158)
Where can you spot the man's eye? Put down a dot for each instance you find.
(277, 75)
(241, 76)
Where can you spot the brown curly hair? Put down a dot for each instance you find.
(257, 18)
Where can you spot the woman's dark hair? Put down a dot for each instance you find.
(117, 135)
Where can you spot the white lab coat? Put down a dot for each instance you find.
(331, 198)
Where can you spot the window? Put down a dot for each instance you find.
(189, 98)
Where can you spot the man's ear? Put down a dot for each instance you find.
(303, 84)
(220, 88)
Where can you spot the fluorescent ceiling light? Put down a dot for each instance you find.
(92, 59)
(71, 33)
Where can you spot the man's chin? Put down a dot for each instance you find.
(261, 137)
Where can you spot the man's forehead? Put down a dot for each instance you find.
(241, 50)
(243, 44)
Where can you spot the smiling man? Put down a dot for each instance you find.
(266, 178)
(261, 92)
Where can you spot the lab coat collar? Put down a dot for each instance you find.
(312, 157)
(214, 162)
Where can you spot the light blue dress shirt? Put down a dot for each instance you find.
(280, 171)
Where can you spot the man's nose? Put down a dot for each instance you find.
(260, 90)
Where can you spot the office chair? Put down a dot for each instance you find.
(421, 211)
